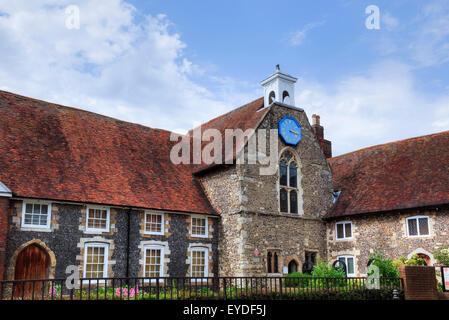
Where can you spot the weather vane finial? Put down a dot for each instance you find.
(277, 68)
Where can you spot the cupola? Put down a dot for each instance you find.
(279, 87)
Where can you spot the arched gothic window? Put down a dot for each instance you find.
(288, 183)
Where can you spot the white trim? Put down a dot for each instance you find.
(344, 230)
(346, 256)
(4, 191)
(206, 263)
(417, 227)
(206, 229)
(25, 226)
(108, 218)
(162, 232)
(161, 271)
(423, 251)
(106, 260)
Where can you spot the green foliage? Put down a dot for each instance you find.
(298, 279)
(442, 255)
(324, 269)
(415, 260)
(323, 276)
(386, 266)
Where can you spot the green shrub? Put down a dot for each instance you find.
(415, 260)
(298, 279)
(442, 255)
(386, 267)
(324, 269)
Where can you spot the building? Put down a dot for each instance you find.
(78, 188)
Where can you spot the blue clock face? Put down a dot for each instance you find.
(290, 130)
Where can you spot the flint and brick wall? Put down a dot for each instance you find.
(249, 205)
(387, 234)
(67, 235)
(4, 214)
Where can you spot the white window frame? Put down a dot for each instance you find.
(346, 256)
(206, 263)
(161, 271)
(147, 213)
(206, 229)
(417, 226)
(108, 219)
(34, 226)
(106, 260)
(344, 230)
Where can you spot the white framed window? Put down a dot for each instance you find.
(343, 230)
(199, 263)
(36, 214)
(96, 261)
(154, 223)
(418, 226)
(153, 262)
(350, 264)
(198, 227)
(97, 219)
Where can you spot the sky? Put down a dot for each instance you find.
(175, 64)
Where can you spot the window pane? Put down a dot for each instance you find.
(283, 173)
(284, 203)
(348, 231)
(287, 156)
(293, 202)
(423, 226)
(412, 227)
(293, 175)
(350, 265)
(29, 208)
(340, 234)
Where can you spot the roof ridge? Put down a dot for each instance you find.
(391, 143)
(227, 113)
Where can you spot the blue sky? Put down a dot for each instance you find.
(172, 64)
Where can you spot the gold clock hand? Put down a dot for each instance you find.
(293, 131)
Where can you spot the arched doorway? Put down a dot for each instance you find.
(292, 266)
(425, 257)
(32, 262)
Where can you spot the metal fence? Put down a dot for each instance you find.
(182, 288)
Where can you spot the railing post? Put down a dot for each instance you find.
(224, 288)
(280, 288)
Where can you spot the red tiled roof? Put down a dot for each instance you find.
(246, 117)
(399, 175)
(61, 153)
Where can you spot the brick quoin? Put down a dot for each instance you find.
(4, 209)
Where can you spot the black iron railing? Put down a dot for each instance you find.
(181, 288)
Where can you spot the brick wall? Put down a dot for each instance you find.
(4, 209)
(419, 282)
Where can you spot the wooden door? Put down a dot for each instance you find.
(32, 263)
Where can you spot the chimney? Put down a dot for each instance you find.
(326, 145)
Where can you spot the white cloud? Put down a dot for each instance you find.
(119, 63)
(297, 38)
(389, 21)
(430, 44)
(379, 106)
